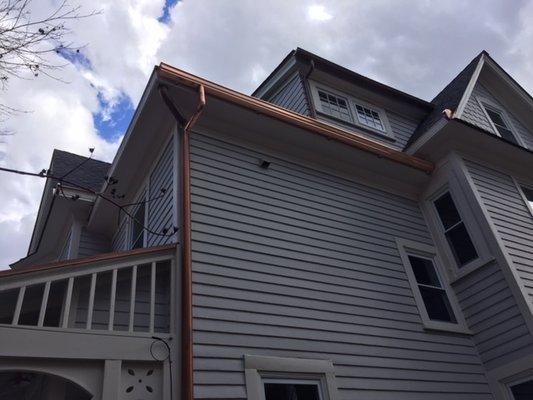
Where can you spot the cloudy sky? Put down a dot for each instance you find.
(415, 46)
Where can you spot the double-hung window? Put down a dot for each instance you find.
(435, 300)
(455, 230)
(369, 117)
(500, 123)
(430, 287)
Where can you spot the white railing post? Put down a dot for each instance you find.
(44, 303)
(152, 297)
(132, 297)
(18, 307)
(91, 302)
(68, 301)
(112, 301)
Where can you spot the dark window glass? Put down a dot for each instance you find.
(455, 230)
(448, 213)
(462, 247)
(424, 271)
(523, 391)
(137, 231)
(434, 296)
(528, 193)
(291, 391)
(437, 304)
(503, 129)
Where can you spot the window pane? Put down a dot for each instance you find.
(447, 211)
(462, 247)
(369, 117)
(496, 117)
(507, 134)
(424, 271)
(291, 391)
(528, 193)
(335, 106)
(523, 391)
(437, 304)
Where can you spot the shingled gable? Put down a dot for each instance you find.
(89, 175)
(448, 98)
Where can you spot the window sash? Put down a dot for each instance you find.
(501, 125)
(295, 382)
(369, 117)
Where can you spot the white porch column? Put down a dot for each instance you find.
(111, 385)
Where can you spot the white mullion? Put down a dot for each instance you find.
(112, 300)
(44, 303)
(18, 307)
(91, 302)
(132, 297)
(68, 300)
(152, 297)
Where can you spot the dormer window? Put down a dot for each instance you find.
(335, 106)
(369, 117)
(499, 122)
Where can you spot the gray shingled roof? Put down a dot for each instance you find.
(90, 175)
(449, 97)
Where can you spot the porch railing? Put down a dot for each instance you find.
(128, 293)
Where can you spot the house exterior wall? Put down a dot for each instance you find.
(474, 114)
(161, 209)
(292, 96)
(92, 244)
(295, 262)
(511, 217)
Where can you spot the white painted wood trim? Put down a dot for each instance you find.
(152, 296)
(132, 297)
(18, 307)
(67, 305)
(469, 88)
(112, 380)
(44, 302)
(112, 300)
(91, 302)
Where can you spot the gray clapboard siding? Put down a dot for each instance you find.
(120, 237)
(402, 128)
(514, 224)
(292, 96)
(474, 114)
(294, 262)
(160, 211)
(92, 244)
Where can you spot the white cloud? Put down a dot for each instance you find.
(417, 46)
(317, 12)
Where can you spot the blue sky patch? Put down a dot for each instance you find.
(113, 121)
(165, 17)
(75, 57)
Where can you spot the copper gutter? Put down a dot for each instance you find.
(87, 260)
(186, 300)
(298, 120)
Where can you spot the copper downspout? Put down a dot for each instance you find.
(186, 300)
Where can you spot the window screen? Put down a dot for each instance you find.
(369, 117)
(291, 391)
(335, 106)
(501, 126)
(455, 230)
(433, 294)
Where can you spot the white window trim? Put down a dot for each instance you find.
(483, 103)
(519, 185)
(407, 248)
(257, 369)
(143, 193)
(468, 219)
(352, 101)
